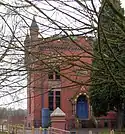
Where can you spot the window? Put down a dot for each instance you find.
(50, 75)
(51, 96)
(57, 73)
(57, 99)
(54, 75)
(105, 123)
(29, 102)
(54, 100)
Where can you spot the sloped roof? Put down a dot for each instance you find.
(34, 24)
(79, 43)
(58, 112)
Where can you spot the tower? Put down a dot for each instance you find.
(26, 50)
(31, 45)
(34, 30)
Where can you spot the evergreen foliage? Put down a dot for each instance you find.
(108, 74)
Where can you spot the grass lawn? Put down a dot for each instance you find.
(3, 132)
(105, 132)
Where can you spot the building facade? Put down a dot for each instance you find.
(58, 76)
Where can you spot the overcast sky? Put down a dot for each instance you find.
(123, 3)
(24, 102)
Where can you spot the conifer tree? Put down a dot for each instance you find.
(108, 86)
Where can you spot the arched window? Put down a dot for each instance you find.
(54, 74)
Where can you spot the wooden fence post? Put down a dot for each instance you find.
(32, 129)
(40, 130)
(8, 129)
(23, 129)
(90, 131)
(112, 132)
(16, 129)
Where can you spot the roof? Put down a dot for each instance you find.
(58, 112)
(34, 24)
(77, 44)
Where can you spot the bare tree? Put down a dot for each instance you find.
(55, 21)
(73, 21)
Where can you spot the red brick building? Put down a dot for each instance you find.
(56, 68)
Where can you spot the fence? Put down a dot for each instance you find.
(20, 129)
(3, 127)
(58, 131)
(16, 129)
(50, 130)
(93, 123)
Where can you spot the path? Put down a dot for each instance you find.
(86, 130)
(79, 131)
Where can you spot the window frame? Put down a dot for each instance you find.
(51, 102)
(56, 102)
(54, 74)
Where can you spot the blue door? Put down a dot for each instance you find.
(82, 107)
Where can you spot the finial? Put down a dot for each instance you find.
(34, 24)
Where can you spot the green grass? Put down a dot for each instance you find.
(105, 132)
(3, 132)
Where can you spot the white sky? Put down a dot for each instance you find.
(123, 3)
(23, 105)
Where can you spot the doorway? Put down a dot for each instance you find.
(82, 107)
